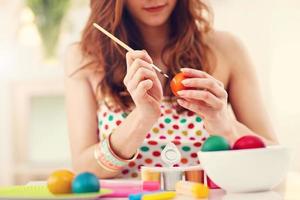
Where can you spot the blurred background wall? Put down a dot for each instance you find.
(33, 132)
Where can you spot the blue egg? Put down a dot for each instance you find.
(85, 182)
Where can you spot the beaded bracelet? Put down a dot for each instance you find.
(107, 158)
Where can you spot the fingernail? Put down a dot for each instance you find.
(180, 93)
(184, 82)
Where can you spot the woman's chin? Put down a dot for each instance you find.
(154, 22)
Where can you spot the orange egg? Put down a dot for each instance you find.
(60, 182)
(176, 84)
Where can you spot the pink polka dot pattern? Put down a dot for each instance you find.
(184, 129)
(139, 156)
(131, 164)
(162, 126)
(162, 137)
(156, 153)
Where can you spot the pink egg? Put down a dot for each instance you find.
(248, 142)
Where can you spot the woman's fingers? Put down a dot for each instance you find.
(139, 69)
(189, 72)
(132, 55)
(142, 88)
(140, 75)
(199, 108)
(136, 64)
(206, 84)
(135, 60)
(202, 95)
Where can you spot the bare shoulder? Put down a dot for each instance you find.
(228, 47)
(82, 69)
(224, 41)
(77, 65)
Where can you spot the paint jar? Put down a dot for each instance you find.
(149, 175)
(194, 176)
(170, 178)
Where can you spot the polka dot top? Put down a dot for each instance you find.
(185, 130)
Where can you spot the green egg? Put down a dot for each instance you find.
(215, 143)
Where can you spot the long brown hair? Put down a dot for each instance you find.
(190, 21)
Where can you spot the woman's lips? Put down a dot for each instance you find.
(154, 9)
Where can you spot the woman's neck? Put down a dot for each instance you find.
(155, 39)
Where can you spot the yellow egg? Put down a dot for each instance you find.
(60, 182)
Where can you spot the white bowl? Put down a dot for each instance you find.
(269, 195)
(249, 170)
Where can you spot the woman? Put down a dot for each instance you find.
(108, 92)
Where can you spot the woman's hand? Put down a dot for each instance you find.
(208, 99)
(143, 84)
